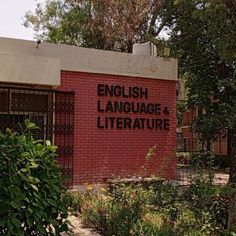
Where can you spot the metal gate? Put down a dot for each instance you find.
(52, 111)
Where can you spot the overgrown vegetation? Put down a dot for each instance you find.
(159, 209)
(32, 196)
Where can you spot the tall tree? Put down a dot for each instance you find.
(203, 38)
(103, 24)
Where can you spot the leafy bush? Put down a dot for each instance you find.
(165, 195)
(93, 213)
(116, 213)
(146, 228)
(75, 202)
(164, 209)
(31, 186)
(209, 204)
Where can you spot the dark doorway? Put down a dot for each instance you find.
(51, 110)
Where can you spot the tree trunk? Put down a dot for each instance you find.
(232, 214)
(232, 145)
(232, 176)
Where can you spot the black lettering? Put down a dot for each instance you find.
(135, 92)
(109, 91)
(166, 111)
(99, 123)
(112, 119)
(135, 105)
(124, 95)
(158, 124)
(143, 108)
(166, 124)
(144, 93)
(106, 122)
(117, 91)
(100, 90)
(126, 107)
(136, 124)
(150, 108)
(99, 107)
(109, 107)
(157, 109)
(119, 123)
(150, 123)
(118, 106)
(127, 123)
(130, 92)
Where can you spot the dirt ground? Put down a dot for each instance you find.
(78, 229)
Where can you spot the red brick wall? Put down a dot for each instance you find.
(99, 153)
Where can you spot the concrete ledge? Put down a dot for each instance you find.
(15, 68)
(74, 58)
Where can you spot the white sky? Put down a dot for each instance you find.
(11, 22)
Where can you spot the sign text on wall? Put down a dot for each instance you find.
(140, 109)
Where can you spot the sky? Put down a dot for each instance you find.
(11, 22)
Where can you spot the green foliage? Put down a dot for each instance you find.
(165, 195)
(93, 213)
(211, 73)
(151, 153)
(31, 186)
(166, 209)
(201, 161)
(209, 204)
(75, 202)
(181, 107)
(203, 39)
(103, 24)
(116, 213)
(150, 229)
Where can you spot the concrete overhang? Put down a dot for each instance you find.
(24, 62)
(16, 68)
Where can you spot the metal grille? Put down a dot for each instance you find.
(52, 111)
(194, 155)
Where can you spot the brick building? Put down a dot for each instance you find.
(103, 109)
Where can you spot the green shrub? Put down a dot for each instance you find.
(210, 205)
(152, 224)
(201, 209)
(31, 186)
(127, 207)
(95, 212)
(75, 202)
(143, 228)
(117, 213)
(165, 195)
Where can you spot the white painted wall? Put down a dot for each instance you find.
(46, 61)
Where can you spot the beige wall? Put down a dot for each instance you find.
(22, 62)
(26, 69)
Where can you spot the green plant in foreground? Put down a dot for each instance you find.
(117, 213)
(31, 186)
(201, 209)
(75, 202)
(210, 204)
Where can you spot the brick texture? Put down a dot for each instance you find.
(100, 154)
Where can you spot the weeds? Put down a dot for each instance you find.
(159, 209)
